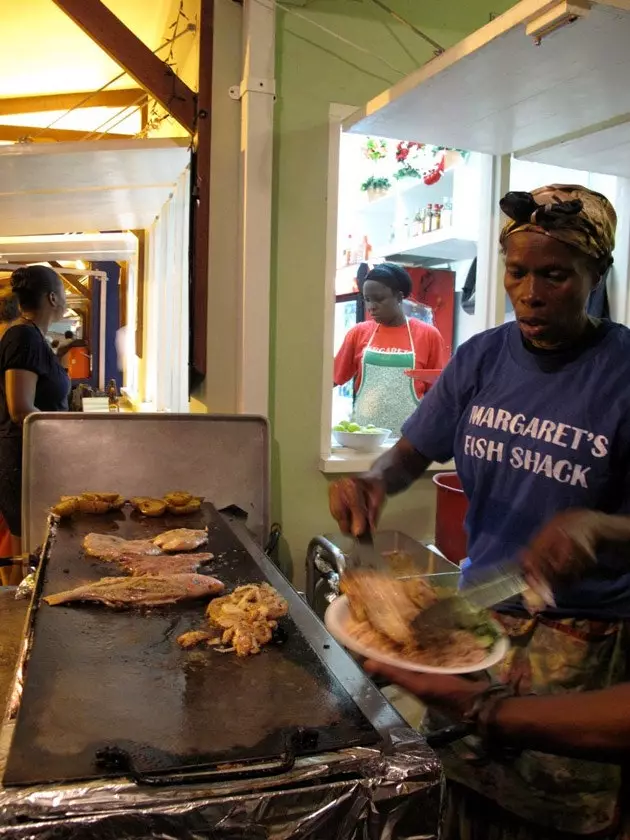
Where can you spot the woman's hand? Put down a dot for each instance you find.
(452, 695)
(564, 549)
(356, 504)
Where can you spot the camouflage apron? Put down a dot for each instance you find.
(557, 793)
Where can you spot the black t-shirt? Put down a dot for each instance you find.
(23, 347)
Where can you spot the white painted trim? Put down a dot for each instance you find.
(489, 292)
(336, 114)
(253, 348)
(83, 272)
(102, 349)
(348, 462)
(618, 287)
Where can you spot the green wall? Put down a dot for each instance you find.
(315, 69)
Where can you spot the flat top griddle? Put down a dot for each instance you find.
(98, 678)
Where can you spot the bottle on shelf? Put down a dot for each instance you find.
(366, 249)
(428, 219)
(437, 216)
(112, 395)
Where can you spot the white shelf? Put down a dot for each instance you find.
(443, 244)
(497, 92)
(348, 461)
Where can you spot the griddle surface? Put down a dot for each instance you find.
(97, 677)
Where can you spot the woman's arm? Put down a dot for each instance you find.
(399, 467)
(20, 389)
(590, 724)
(437, 351)
(356, 503)
(345, 367)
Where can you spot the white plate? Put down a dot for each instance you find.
(336, 620)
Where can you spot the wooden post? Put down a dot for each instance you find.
(200, 185)
(127, 50)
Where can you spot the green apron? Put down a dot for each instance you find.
(386, 397)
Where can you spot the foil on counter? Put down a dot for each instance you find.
(353, 794)
(26, 587)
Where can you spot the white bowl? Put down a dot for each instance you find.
(337, 618)
(361, 441)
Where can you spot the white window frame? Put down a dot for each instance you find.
(489, 293)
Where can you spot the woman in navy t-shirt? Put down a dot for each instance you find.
(31, 379)
(536, 414)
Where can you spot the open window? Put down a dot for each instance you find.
(414, 204)
(441, 223)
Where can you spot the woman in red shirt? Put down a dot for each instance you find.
(376, 353)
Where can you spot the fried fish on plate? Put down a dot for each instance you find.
(145, 591)
(388, 603)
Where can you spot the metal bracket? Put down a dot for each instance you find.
(253, 85)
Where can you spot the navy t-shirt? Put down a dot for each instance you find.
(534, 434)
(23, 347)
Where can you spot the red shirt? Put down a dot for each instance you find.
(427, 343)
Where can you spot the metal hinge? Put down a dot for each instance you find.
(253, 85)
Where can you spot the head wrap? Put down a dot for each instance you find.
(392, 275)
(575, 215)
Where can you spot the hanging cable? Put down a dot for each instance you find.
(114, 125)
(332, 33)
(191, 27)
(136, 105)
(437, 47)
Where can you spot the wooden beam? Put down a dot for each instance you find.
(127, 50)
(79, 288)
(201, 199)
(72, 282)
(64, 101)
(14, 133)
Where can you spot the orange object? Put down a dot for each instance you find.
(452, 506)
(78, 362)
(5, 539)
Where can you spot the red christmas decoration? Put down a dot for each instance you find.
(404, 147)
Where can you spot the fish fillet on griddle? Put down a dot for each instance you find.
(109, 547)
(181, 539)
(145, 591)
(163, 564)
(383, 601)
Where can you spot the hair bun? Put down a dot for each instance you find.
(19, 278)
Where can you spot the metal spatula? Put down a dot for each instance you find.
(366, 554)
(460, 610)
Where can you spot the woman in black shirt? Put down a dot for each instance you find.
(31, 379)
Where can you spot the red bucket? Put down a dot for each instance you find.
(452, 505)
